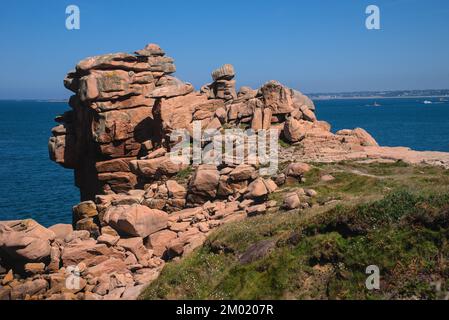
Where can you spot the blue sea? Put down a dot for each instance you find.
(396, 122)
(33, 186)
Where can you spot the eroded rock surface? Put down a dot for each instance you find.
(140, 207)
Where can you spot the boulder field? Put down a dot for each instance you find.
(140, 208)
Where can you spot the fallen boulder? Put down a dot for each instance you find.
(135, 220)
(297, 170)
(291, 201)
(256, 189)
(25, 240)
(204, 182)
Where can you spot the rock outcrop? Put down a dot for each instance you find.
(125, 106)
(111, 122)
(140, 207)
(135, 214)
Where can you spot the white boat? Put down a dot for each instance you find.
(428, 102)
(374, 105)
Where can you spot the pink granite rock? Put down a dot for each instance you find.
(135, 220)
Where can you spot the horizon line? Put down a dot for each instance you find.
(322, 93)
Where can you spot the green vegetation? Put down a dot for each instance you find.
(184, 175)
(284, 144)
(391, 215)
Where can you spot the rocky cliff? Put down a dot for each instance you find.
(125, 105)
(140, 208)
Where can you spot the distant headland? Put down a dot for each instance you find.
(395, 94)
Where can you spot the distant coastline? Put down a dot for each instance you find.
(368, 95)
(54, 100)
(393, 94)
(373, 97)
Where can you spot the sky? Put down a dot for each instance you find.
(310, 45)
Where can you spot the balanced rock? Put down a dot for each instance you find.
(223, 86)
(224, 72)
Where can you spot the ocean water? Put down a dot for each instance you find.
(396, 122)
(32, 186)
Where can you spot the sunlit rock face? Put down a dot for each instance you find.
(125, 106)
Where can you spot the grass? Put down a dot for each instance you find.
(184, 175)
(284, 144)
(391, 215)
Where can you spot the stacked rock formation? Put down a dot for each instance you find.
(111, 120)
(223, 86)
(125, 106)
(139, 207)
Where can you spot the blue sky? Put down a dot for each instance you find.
(311, 45)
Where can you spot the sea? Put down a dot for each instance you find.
(32, 186)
